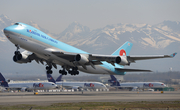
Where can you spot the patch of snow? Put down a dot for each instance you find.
(166, 34)
(107, 32)
(165, 28)
(164, 43)
(150, 41)
(77, 29)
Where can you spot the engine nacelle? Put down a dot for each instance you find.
(21, 58)
(82, 59)
(7, 80)
(121, 60)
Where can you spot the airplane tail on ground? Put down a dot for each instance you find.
(3, 81)
(124, 50)
(59, 78)
(50, 78)
(114, 81)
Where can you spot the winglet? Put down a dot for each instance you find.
(173, 55)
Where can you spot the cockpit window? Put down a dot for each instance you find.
(52, 84)
(16, 24)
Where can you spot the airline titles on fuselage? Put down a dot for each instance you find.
(42, 36)
(88, 85)
(38, 85)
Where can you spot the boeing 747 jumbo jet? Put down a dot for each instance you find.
(76, 85)
(27, 86)
(135, 85)
(54, 52)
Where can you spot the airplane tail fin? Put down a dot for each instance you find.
(124, 50)
(114, 81)
(59, 78)
(50, 78)
(3, 81)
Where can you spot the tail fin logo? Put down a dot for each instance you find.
(122, 52)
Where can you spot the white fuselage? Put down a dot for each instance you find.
(143, 84)
(81, 85)
(33, 86)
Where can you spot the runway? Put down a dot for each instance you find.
(45, 98)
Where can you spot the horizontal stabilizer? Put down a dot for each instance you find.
(132, 70)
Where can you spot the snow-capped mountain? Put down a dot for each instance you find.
(110, 37)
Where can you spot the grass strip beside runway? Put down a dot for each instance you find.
(137, 105)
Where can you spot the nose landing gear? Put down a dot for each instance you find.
(17, 54)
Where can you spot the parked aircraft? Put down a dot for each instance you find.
(76, 85)
(54, 52)
(27, 86)
(135, 85)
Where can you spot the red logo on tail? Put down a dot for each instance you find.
(122, 52)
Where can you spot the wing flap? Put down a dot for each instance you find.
(132, 70)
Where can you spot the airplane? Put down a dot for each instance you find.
(54, 52)
(76, 85)
(135, 85)
(26, 86)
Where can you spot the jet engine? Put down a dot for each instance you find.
(121, 60)
(7, 80)
(82, 59)
(21, 58)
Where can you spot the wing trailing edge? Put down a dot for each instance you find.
(132, 70)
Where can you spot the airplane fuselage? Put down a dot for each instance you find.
(81, 85)
(32, 86)
(35, 41)
(142, 85)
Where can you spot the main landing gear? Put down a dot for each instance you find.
(48, 68)
(74, 71)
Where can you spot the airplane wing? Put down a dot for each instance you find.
(72, 57)
(132, 70)
(95, 59)
(134, 58)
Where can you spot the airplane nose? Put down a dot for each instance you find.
(12, 29)
(8, 30)
(5, 30)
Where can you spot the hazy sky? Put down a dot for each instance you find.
(56, 15)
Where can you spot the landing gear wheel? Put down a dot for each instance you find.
(49, 71)
(17, 52)
(73, 72)
(63, 72)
